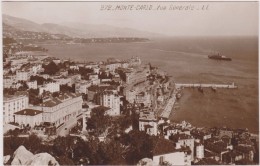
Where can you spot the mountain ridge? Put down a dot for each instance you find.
(76, 29)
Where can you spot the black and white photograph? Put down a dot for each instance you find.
(146, 83)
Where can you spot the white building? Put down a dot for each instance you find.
(124, 65)
(165, 153)
(93, 76)
(96, 70)
(50, 86)
(28, 117)
(186, 140)
(56, 61)
(112, 66)
(74, 67)
(61, 109)
(130, 95)
(45, 76)
(111, 99)
(14, 104)
(148, 123)
(32, 84)
(174, 158)
(75, 78)
(9, 80)
(23, 75)
(82, 87)
(200, 151)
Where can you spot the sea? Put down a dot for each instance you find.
(185, 59)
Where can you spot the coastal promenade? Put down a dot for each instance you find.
(167, 110)
(228, 86)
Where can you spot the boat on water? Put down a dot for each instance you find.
(219, 57)
(178, 95)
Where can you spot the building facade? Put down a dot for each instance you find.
(28, 117)
(50, 86)
(111, 99)
(61, 109)
(23, 75)
(148, 123)
(32, 84)
(13, 104)
(200, 151)
(173, 158)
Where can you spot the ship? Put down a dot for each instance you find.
(219, 57)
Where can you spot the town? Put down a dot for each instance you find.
(112, 112)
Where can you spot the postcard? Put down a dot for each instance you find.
(130, 82)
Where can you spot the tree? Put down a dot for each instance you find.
(122, 75)
(66, 88)
(34, 97)
(51, 68)
(40, 80)
(55, 94)
(9, 91)
(33, 144)
(64, 160)
(8, 40)
(24, 86)
(98, 121)
(140, 146)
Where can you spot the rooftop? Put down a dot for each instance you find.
(58, 100)
(147, 116)
(164, 146)
(28, 112)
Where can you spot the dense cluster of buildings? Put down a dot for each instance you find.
(104, 85)
(63, 97)
(198, 146)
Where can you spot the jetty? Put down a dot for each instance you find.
(196, 85)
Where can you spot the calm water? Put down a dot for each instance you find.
(185, 59)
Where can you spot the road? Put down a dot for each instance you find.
(64, 130)
(167, 110)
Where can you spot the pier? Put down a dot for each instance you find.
(227, 86)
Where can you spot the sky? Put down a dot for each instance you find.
(220, 18)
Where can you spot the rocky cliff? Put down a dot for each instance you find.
(24, 157)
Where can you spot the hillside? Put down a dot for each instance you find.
(78, 30)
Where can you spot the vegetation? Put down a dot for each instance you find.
(98, 122)
(84, 72)
(9, 91)
(51, 68)
(34, 97)
(40, 80)
(67, 88)
(8, 40)
(122, 75)
(127, 149)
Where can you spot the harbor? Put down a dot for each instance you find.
(197, 85)
(176, 94)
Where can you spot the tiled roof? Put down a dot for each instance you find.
(28, 112)
(163, 146)
(51, 103)
(101, 107)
